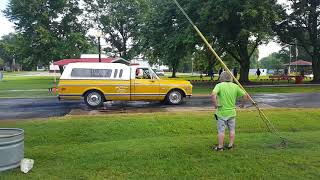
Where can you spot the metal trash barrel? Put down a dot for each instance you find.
(11, 148)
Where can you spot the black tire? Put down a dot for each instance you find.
(174, 97)
(94, 99)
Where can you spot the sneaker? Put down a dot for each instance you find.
(217, 148)
(230, 147)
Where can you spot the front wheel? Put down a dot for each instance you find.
(174, 97)
(93, 99)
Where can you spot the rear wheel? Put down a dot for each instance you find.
(94, 99)
(174, 97)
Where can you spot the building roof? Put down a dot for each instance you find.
(300, 63)
(91, 60)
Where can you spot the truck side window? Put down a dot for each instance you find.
(146, 74)
(91, 73)
(115, 73)
(121, 72)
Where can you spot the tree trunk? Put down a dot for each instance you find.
(174, 70)
(175, 65)
(244, 71)
(245, 62)
(316, 69)
(314, 35)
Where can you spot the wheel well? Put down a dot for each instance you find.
(94, 90)
(177, 89)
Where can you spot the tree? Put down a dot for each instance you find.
(49, 30)
(240, 26)
(1, 64)
(203, 60)
(274, 61)
(15, 47)
(302, 26)
(165, 34)
(120, 23)
(254, 60)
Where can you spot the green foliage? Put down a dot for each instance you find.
(240, 26)
(12, 47)
(167, 145)
(234, 29)
(1, 63)
(301, 26)
(273, 61)
(165, 34)
(254, 60)
(120, 23)
(47, 30)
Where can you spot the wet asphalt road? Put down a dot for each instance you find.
(51, 107)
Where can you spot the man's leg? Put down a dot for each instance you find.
(221, 140)
(232, 130)
(221, 128)
(231, 137)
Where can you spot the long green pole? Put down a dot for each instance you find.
(268, 123)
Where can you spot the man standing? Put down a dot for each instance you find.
(235, 72)
(220, 71)
(224, 97)
(258, 72)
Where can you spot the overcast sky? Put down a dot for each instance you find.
(7, 27)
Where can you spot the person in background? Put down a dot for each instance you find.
(286, 71)
(235, 72)
(224, 97)
(220, 71)
(302, 72)
(211, 74)
(258, 73)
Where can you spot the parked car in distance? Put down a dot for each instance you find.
(159, 72)
(96, 83)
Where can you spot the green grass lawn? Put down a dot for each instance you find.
(38, 85)
(262, 79)
(254, 90)
(169, 146)
(26, 82)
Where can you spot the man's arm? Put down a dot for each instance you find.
(214, 100)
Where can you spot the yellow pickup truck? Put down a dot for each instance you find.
(100, 82)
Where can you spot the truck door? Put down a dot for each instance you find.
(145, 86)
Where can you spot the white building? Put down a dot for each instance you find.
(252, 72)
(143, 62)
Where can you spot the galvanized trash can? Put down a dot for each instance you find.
(11, 148)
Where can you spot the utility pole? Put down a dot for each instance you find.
(98, 34)
(13, 63)
(289, 69)
(192, 65)
(296, 44)
(99, 46)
